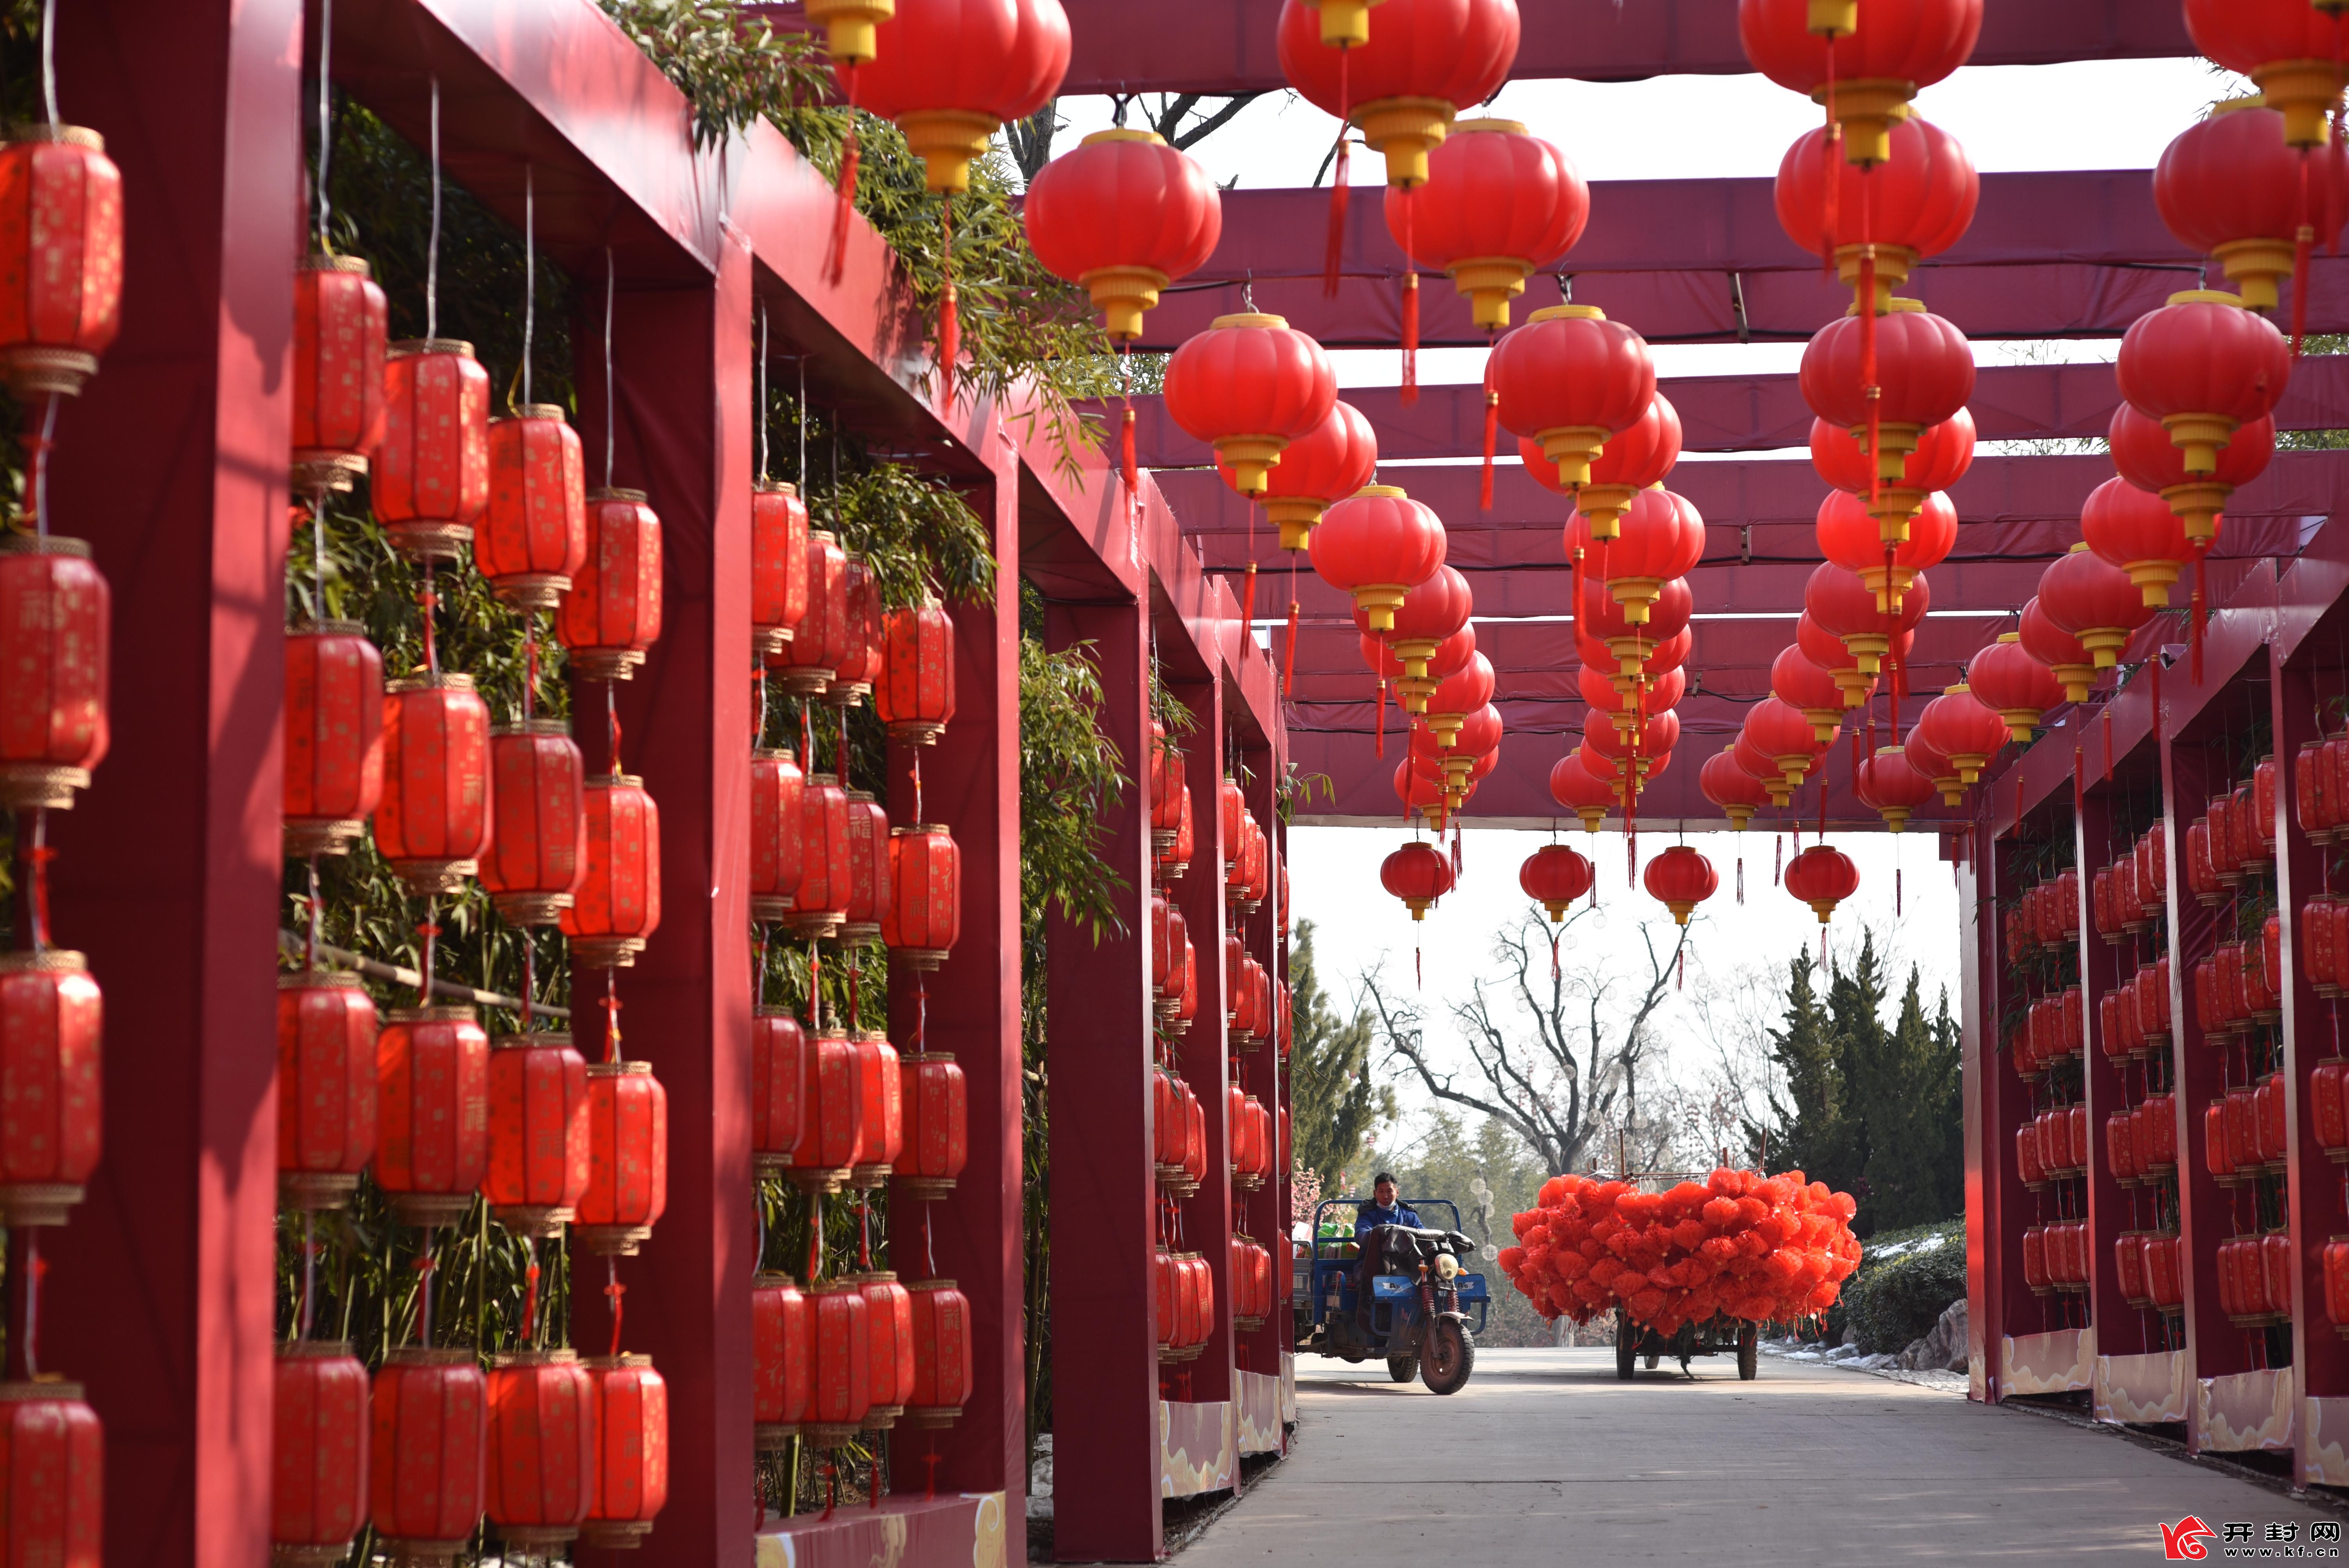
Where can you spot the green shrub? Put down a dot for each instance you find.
(1905, 1281)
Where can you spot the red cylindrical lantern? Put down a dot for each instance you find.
(868, 893)
(781, 1089)
(937, 1125)
(1498, 206)
(1123, 216)
(334, 735)
(779, 566)
(782, 1358)
(319, 1478)
(542, 1447)
(841, 1396)
(339, 343)
(889, 1337)
(435, 818)
(804, 667)
(860, 659)
(431, 480)
(952, 75)
(56, 629)
(832, 1125)
(618, 906)
(538, 842)
(613, 612)
(538, 1133)
(325, 1086)
(427, 1454)
(52, 1474)
(60, 256)
(630, 1479)
(1249, 386)
(820, 906)
(432, 1077)
(1570, 380)
(533, 540)
(913, 692)
(924, 912)
(627, 1159)
(881, 1088)
(778, 826)
(943, 1366)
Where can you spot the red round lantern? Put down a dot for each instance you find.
(1891, 784)
(428, 1450)
(1828, 651)
(779, 567)
(318, 1473)
(937, 1125)
(1944, 452)
(1466, 690)
(1570, 380)
(1421, 789)
(882, 1111)
(1378, 544)
(1121, 217)
(913, 690)
(943, 1365)
(1597, 691)
(1636, 456)
(780, 1071)
(868, 870)
(617, 905)
(542, 1447)
(889, 1338)
(2229, 187)
(432, 1085)
(61, 239)
(334, 735)
(627, 1159)
(1730, 786)
(630, 1477)
(325, 1086)
(841, 1394)
(1798, 682)
(434, 819)
(2089, 597)
(1924, 375)
(1781, 732)
(1328, 463)
(804, 667)
(1660, 536)
(1655, 659)
(1867, 59)
(924, 912)
(859, 661)
(537, 853)
(2005, 676)
(51, 1023)
(532, 539)
(1841, 603)
(56, 629)
(1580, 791)
(1822, 876)
(1611, 624)
(782, 1358)
(1762, 768)
(777, 825)
(339, 333)
(1849, 536)
(1432, 611)
(1658, 735)
(1961, 727)
(538, 1133)
(2067, 657)
(1249, 386)
(1935, 765)
(1404, 81)
(1417, 875)
(1680, 879)
(1498, 206)
(2292, 51)
(1554, 877)
(2203, 365)
(2149, 461)
(430, 482)
(613, 612)
(952, 75)
(1918, 202)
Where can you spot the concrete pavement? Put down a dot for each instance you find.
(1544, 1457)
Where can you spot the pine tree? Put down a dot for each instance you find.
(1862, 1052)
(1334, 1105)
(1904, 1176)
(1810, 1117)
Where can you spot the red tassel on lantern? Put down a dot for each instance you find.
(613, 612)
(430, 482)
(52, 1475)
(778, 823)
(943, 1368)
(780, 1087)
(538, 845)
(538, 1133)
(779, 567)
(432, 1076)
(542, 1447)
(618, 906)
(434, 820)
(915, 692)
(627, 1159)
(56, 615)
(428, 1450)
(60, 257)
(326, 1088)
(630, 1476)
(339, 344)
(782, 1358)
(333, 735)
(318, 1423)
(924, 916)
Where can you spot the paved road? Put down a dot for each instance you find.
(1545, 1459)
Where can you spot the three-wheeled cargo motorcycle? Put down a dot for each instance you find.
(1417, 1313)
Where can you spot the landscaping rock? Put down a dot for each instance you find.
(1943, 1349)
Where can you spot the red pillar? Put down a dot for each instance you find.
(1106, 1500)
(682, 371)
(970, 782)
(172, 464)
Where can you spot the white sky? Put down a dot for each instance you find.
(2089, 115)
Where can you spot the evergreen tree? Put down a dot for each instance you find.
(1943, 1088)
(1863, 1055)
(1905, 1124)
(1334, 1105)
(1811, 1115)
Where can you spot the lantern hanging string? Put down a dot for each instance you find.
(325, 109)
(432, 247)
(611, 287)
(613, 1290)
(611, 1014)
(763, 431)
(1492, 421)
(430, 931)
(34, 1269)
(1409, 394)
(612, 720)
(529, 1291)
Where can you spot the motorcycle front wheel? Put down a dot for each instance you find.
(1447, 1356)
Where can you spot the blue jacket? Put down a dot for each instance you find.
(1369, 1215)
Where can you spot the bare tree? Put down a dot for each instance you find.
(1167, 119)
(1031, 140)
(1578, 1075)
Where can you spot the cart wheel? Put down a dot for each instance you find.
(1447, 1355)
(1748, 1352)
(1651, 1362)
(1626, 1346)
(1402, 1368)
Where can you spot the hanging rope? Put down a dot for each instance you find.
(844, 203)
(949, 318)
(1410, 393)
(432, 246)
(1334, 250)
